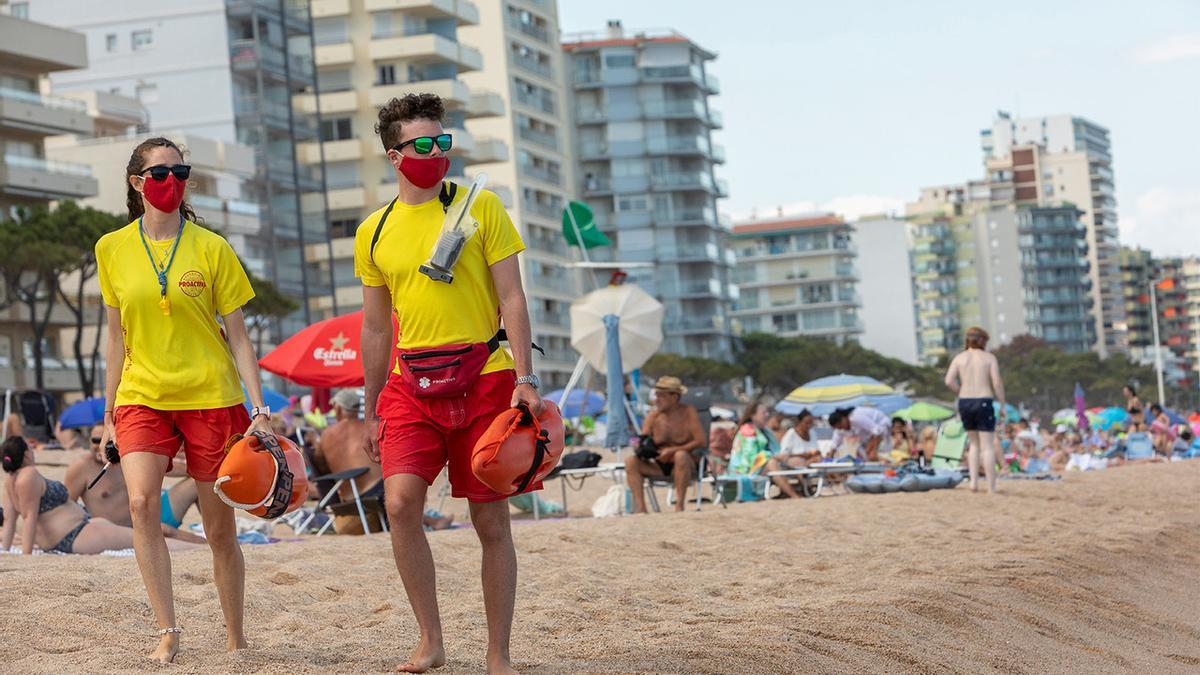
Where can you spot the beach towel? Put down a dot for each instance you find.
(524, 503)
(751, 450)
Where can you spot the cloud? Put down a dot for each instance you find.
(1164, 220)
(850, 207)
(1169, 48)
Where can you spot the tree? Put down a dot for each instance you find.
(267, 306)
(693, 370)
(84, 227)
(38, 252)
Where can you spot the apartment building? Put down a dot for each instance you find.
(1065, 159)
(887, 308)
(1013, 270)
(1167, 278)
(646, 161)
(523, 69)
(28, 52)
(797, 277)
(1191, 286)
(226, 70)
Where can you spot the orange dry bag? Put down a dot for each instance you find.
(262, 474)
(518, 449)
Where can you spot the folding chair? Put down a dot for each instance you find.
(951, 442)
(338, 478)
(701, 399)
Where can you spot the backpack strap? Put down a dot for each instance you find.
(445, 196)
(502, 336)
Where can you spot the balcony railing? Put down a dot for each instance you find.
(541, 209)
(35, 98)
(668, 108)
(542, 173)
(530, 29)
(543, 101)
(682, 180)
(544, 138)
(533, 65)
(48, 166)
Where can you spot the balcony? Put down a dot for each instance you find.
(45, 179)
(328, 8)
(466, 13)
(340, 198)
(674, 109)
(533, 30)
(680, 73)
(335, 151)
(423, 49)
(274, 113)
(542, 101)
(334, 102)
(489, 150)
(250, 56)
(339, 54)
(533, 65)
(597, 185)
(44, 115)
(690, 180)
(693, 325)
(691, 253)
(540, 317)
(546, 139)
(454, 93)
(542, 173)
(590, 115)
(702, 288)
(231, 216)
(486, 104)
(542, 209)
(715, 119)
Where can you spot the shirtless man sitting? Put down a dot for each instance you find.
(109, 499)
(675, 429)
(340, 449)
(974, 375)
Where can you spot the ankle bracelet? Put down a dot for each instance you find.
(168, 631)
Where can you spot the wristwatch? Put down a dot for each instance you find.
(257, 410)
(531, 380)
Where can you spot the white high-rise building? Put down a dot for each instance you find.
(887, 309)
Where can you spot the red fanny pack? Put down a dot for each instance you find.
(447, 371)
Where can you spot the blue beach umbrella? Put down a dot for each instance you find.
(86, 413)
(274, 400)
(595, 402)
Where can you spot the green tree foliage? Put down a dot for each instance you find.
(693, 370)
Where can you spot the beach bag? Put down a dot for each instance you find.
(580, 459)
(611, 502)
(647, 449)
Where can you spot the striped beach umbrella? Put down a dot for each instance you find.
(824, 395)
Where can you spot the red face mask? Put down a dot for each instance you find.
(165, 195)
(424, 172)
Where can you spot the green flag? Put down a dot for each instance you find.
(586, 222)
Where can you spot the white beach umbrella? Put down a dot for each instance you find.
(640, 317)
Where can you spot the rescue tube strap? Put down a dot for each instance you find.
(541, 446)
(283, 485)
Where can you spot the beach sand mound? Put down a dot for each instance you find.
(1097, 573)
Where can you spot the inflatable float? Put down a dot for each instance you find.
(878, 483)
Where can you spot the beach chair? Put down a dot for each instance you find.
(951, 443)
(1138, 445)
(801, 478)
(575, 478)
(325, 503)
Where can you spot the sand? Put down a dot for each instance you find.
(1097, 573)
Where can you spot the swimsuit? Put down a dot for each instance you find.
(167, 514)
(54, 497)
(977, 414)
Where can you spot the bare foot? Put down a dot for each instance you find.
(425, 657)
(168, 647)
(233, 644)
(499, 665)
(974, 486)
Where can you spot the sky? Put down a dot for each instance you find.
(853, 106)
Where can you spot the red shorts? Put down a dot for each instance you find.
(419, 436)
(202, 433)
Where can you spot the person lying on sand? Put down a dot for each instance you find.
(51, 519)
(109, 498)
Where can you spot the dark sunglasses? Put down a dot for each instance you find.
(159, 171)
(424, 144)
(96, 440)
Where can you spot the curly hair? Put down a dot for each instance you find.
(977, 338)
(407, 108)
(137, 164)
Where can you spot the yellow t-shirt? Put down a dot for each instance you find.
(433, 313)
(181, 361)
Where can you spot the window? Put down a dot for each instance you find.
(785, 322)
(618, 61)
(385, 74)
(110, 42)
(147, 93)
(337, 129)
(142, 39)
(343, 227)
(382, 22)
(19, 10)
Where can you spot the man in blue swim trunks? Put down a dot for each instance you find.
(974, 376)
(109, 499)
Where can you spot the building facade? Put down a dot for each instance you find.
(228, 70)
(1175, 298)
(1054, 277)
(643, 125)
(1058, 160)
(797, 278)
(886, 295)
(523, 69)
(28, 177)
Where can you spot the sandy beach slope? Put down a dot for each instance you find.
(1096, 573)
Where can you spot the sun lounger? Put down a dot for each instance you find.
(828, 470)
(579, 476)
(799, 477)
(1138, 446)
